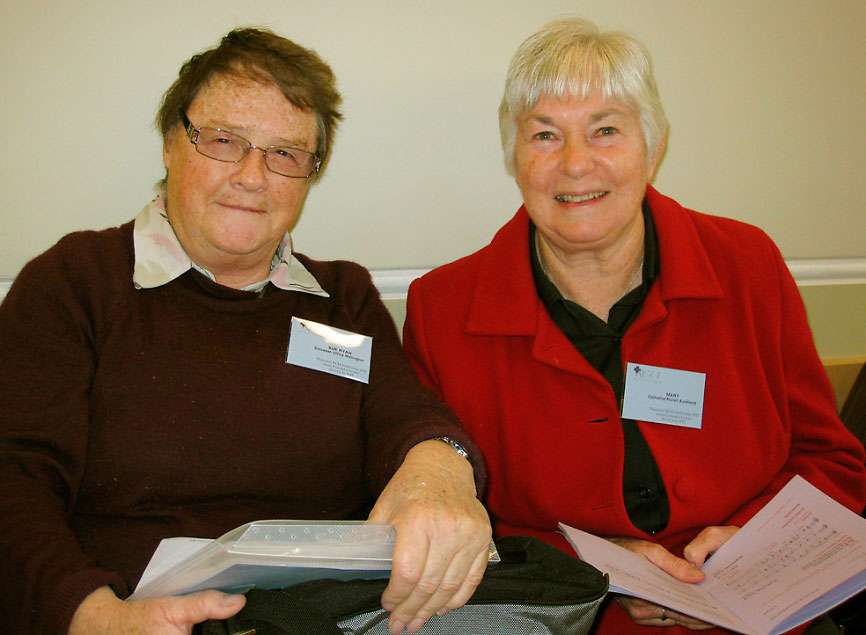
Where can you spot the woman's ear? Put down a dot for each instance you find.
(656, 159)
(166, 149)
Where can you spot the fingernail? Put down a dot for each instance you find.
(442, 612)
(415, 625)
(231, 600)
(396, 627)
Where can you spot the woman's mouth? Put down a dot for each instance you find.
(578, 198)
(242, 208)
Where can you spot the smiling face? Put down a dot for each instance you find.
(230, 217)
(582, 167)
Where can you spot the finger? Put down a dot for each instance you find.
(706, 543)
(679, 568)
(640, 611)
(457, 586)
(203, 605)
(694, 625)
(425, 587)
(407, 566)
(687, 620)
(470, 582)
(647, 613)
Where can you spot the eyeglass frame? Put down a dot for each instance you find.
(192, 134)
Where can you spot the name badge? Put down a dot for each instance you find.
(330, 350)
(663, 395)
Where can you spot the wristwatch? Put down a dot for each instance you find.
(459, 449)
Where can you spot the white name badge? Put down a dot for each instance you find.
(330, 350)
(663, 395)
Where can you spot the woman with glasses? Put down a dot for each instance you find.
(150, 388)
(629, 367)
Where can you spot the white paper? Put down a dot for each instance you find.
(796, 549)
(802, 554)
(168, 553)
(632, 574)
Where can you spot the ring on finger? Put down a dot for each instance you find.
(663, 618)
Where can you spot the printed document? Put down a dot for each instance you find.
(801, 555)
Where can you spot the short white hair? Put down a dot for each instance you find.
(571, 57)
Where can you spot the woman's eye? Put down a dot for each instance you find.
(606, 131)
(545, 135)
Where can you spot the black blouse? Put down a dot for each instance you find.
(600, 343)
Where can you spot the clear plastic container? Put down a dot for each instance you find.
(271, 554)
(274, 554)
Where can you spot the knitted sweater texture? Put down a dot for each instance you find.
(133, 415)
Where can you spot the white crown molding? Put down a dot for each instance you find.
(393, 284)
(823, 271)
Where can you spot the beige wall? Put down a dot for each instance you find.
(765, 100)
(836, 314)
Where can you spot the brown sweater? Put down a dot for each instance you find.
(132, 415)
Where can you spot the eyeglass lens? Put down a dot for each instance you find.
(226, 146)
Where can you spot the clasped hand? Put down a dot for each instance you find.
(443, 535)
(685, 569)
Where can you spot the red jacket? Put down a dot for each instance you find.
(723, 304)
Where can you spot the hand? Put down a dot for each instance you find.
(102, 612)
(443, 535)
(707, 543)
(649, 614)
(684, 569)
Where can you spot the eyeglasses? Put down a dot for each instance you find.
(223, 145)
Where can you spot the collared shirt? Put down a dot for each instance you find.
(600, 343)
(160, 258)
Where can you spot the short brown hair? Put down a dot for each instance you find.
(261, 55)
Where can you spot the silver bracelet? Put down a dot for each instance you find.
(459, 449)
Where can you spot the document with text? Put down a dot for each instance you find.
(798, 557)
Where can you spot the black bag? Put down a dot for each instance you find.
(535, 589)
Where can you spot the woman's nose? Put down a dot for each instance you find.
(576, 158)
(252, 171)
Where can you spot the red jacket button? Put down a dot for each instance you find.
(685, 489)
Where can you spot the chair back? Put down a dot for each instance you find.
(853, 413)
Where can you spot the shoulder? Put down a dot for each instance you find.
(729, 244)
(335, 274)
(78, 283)
(712, 229)
(507, 252)
(84, 258)
(479, 289)
(345, 281)
(457, 275)
(730, 236)
(445, 294)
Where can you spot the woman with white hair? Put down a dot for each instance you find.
(628, 367)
